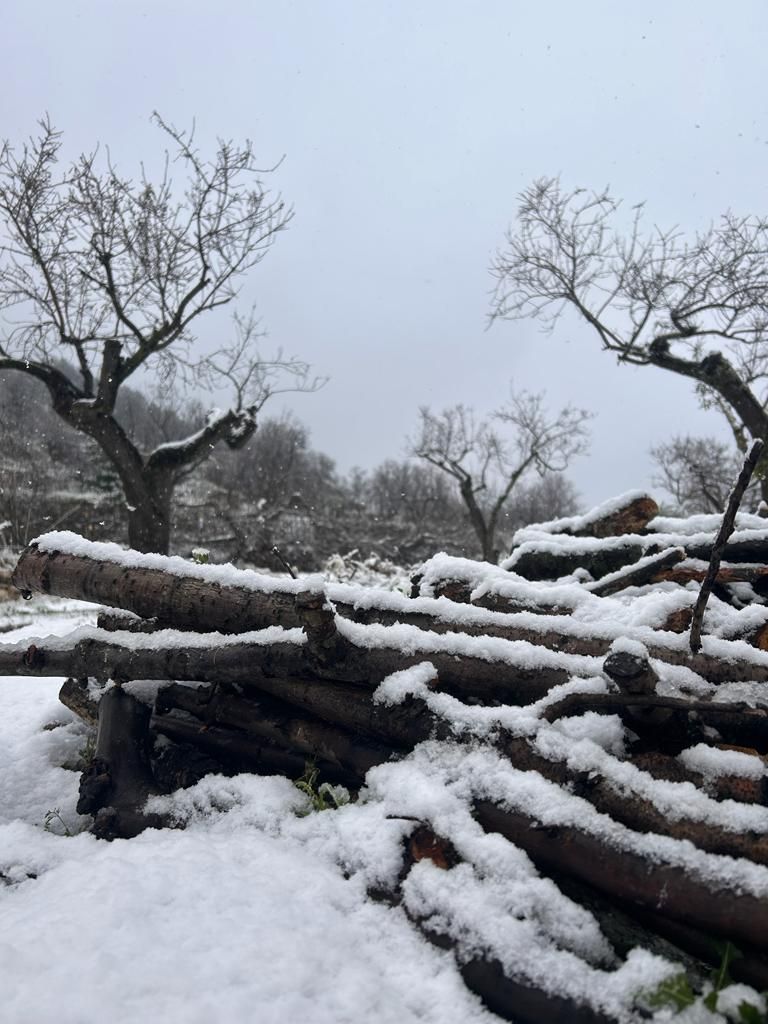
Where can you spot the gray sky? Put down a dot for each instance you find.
(408, 129)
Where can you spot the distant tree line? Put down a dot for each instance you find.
(274, 491)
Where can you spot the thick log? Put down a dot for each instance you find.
(403, 725)
(627, 875)
(735, 722)
(238, 752)
(515, 999)
(211, 604)
(510, 679)
(116, 785)
(632, 810)
(75, 695)
(631, 517)
(174, 592)
(541, 560)
(276, 724)
(750, 967)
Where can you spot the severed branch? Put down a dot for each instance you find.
(726, 529)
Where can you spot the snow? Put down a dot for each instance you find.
(225, 575)
(247, 914)
(714, 761)
(575, 524)
(259, 910)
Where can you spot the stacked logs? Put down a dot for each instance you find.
(242, 672)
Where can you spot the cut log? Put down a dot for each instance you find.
(75, 695)
(116, 785)
(545, 560)
(631, 877)
(174, 592)
(631, 517)
(514, 680)
(351, 707)
(638, 574)
(297, 605)
(632, 810)
(238, 752)
(542, 560)
(276, 724)
(737, 723)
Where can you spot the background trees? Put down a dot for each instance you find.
(699, 473)
(111, 275)
(488, 463)
(698, 308)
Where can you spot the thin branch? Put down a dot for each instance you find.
(726, 529)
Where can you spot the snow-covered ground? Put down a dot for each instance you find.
(258, 910)
(246, 915)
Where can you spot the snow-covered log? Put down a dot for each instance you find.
(629, 869)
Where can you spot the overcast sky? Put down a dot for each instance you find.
(408, 130)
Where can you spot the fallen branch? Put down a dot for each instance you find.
(725, 531)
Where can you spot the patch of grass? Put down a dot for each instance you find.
(87, 752)
(322, 797)
(54, 823)
(678, 993)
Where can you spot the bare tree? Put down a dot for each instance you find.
(699, 472)
(112, 275)
(487, 465)
(698, 308)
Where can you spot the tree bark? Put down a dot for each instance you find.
(636, 575)
(631, 517)
(631, 877)
(116, 785)
(193, 601)
(471, 677)
(269, 721)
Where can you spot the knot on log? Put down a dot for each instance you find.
(631, 670)
(326, 645)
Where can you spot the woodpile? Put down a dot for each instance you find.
(557, 692)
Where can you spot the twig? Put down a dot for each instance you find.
(279, 556)
(726, 529)
(612, 703)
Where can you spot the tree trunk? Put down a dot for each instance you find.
(149, 520)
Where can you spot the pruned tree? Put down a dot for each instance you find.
(112, 276)
(698, 308)
(487, 464)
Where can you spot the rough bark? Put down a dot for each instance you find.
(629, 876)
(632, 810)
(189, 601)
(636, 575)
(538, 563)
(737, 723)
(117, 783)
(631, 517)
(472, 677)
(350, 707)
(237, 751)
(269, 721)
(75, 695)
(194, 602)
